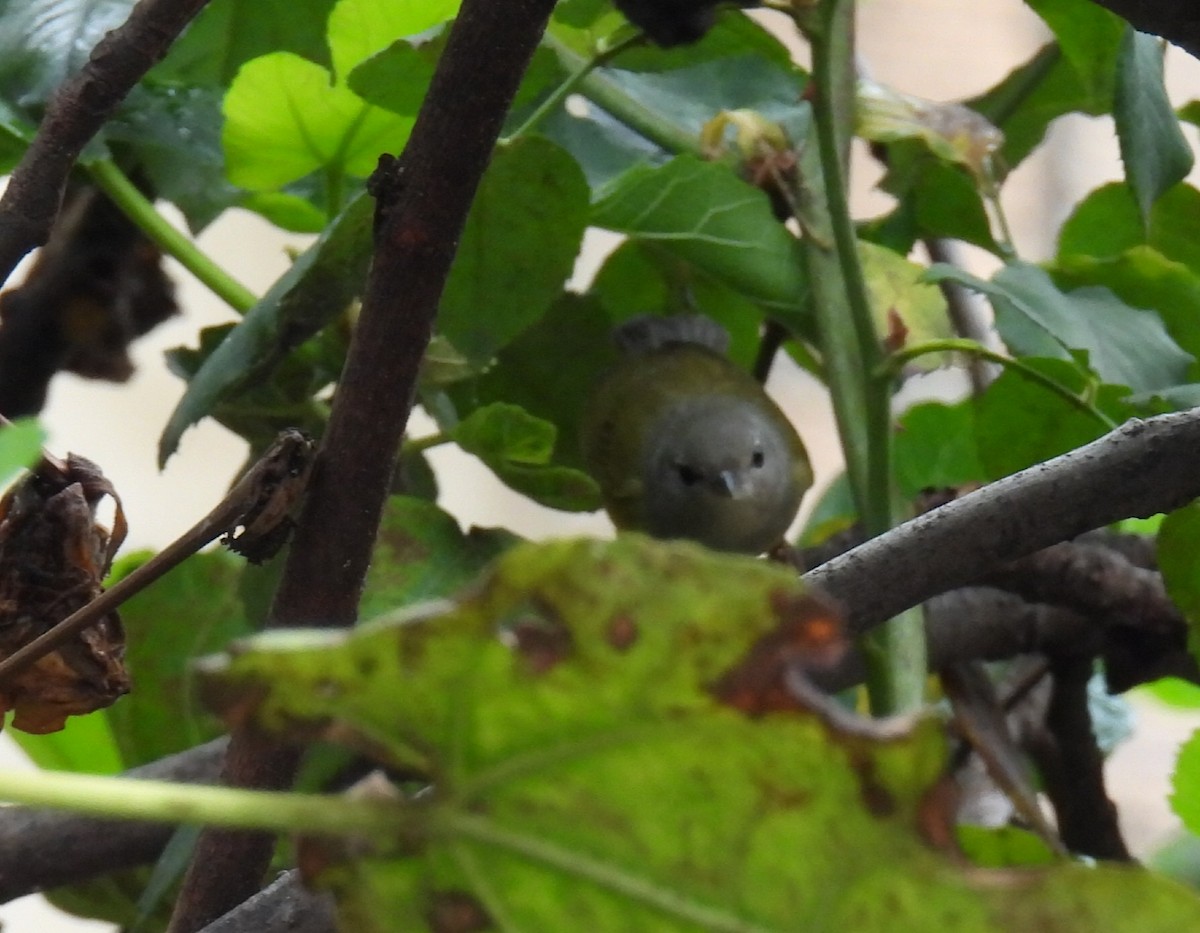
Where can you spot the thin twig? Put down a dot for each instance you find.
(75, 114)
(964, 313)
(773, 336)
(292, 451)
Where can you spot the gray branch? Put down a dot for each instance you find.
(1140, 469)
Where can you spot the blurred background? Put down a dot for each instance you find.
(940, 49)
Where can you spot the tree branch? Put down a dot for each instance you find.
(46, 848)
(283, 906)
(1142, 468)
(1072, 766)
(75, 114)
(422, 203)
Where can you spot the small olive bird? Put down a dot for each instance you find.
(684, 444)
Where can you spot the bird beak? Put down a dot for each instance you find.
(727, 483)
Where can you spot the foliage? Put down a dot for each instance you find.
(559, 698)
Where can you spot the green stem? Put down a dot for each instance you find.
(161, 801)
(961, 345)
(419, 444)
(894, 652)
(602, 57)
(138, 208)
(605, 92)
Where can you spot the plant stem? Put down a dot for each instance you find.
(962, 345)
(420, 444)
(168, 802)
(138, 208)
(895, 653)
(605, 92)
(602, 57)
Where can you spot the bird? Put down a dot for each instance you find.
(685, 444)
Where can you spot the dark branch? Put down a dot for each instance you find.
(423, 199)
(284, 906)
(42, 849)
(75, 114)
(1095, 580)
(983, 624)
(1142, 468)
(1072, 766)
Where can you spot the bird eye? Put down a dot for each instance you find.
(687, 475)
(757, 459)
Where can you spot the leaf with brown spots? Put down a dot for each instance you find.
(53, 556)
(573, 763)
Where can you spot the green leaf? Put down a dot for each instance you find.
(584, 775)
(935, 448)
(1089, 36)
(1179, 563)
(506, 432)
(229, 33)
(421, 554)
(359, 29)
(898, 291)
(582, 26)
(529, 372)
(517, 447)
(284, 119)
(1185, 783)
(194, 609)
(522, 236)
(44, 41)
(398, 77)
(604, 147)
(111, 898)
(1035, 94)
(937, 199)
(674, 594)
(640, 278)
(1125, 346)
(20, 447)
(1153, 147)
(1173, 691)
(1003, 847)
(173, 135)
(833, 513)
(16, 132)
(494, 269)
(700, 212)
(690, 96)
(582, 14)
(1143, 277)
(317, 288)
(1018, 423)
(1178, 858)
(86, 744)
(1107, 223)
(289, 211)
(261, 409)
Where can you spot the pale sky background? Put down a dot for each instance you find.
(941, 49)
